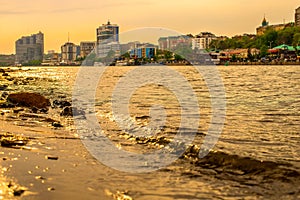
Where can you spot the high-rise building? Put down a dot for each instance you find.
(86, 48)
(29, 48)
(172, 42)
(69, 52)
(203, 40)
(297, 17)
(108, 39)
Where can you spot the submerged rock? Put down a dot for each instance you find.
(28, 100)
(11, 140)
(57, 124)
(3, 87)
(51, 157)
(61, 104)
(69, 111)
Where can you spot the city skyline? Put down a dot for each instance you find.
(55, 18)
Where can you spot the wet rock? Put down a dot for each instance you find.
(9, 78)
(69, 111)
(11, 140)
(28, 100)
(7, 105)
(18, 192)
(15, 189)
(52, 157)
(34, 109)
(3, 87)
(57, 124)
(61, 104)
(4, 95)
(51, 189)
(144, 117)
(43, 110)
(40, 178)
(2, 70)
(17, 110)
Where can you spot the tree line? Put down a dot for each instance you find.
(271, 38)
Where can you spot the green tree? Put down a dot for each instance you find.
(33, 63)
(168, 55)
(249, 55)
(263, 51)
(296, 39)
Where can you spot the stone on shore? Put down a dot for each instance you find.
(30, 100)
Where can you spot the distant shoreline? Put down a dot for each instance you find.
(177, 64)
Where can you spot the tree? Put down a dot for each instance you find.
(33, 63)
(249, 55)
(168, 55)
(263, 51)
(296, 39)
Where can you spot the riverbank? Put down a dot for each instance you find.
(259, 63)
(52, 165)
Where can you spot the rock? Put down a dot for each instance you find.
(2, 70)
(4, 95)
(61, 104)
(10, 140)
(51, 189)
(69, 111)
(18, 110)
(18, 192)
(27, 99)
(7, 105)
(3, 87)
(9, 78)
(43, 110)
(34, 109)
(57, 124)
(52, 157)
(5, 74)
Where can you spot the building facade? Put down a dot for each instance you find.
(265, 26)
(143, 52)
(203, 40)
(29, 48)
(297, 17)
(69, 52)
(7, 60)
(86, 48)
(172, 42)
(107, 39)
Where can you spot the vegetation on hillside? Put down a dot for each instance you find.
(271, 38)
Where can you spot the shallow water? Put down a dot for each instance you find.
(256, 156)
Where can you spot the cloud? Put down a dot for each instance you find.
(15, 12)
(56, 6)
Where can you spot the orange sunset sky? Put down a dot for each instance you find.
(55, 18)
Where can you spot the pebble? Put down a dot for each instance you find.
(51, 189)
(57, 124)
(52, 157)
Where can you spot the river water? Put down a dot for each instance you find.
(257, 155)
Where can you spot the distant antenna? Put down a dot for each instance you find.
(283, 21)
(68, 36)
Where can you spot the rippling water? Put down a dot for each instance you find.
(256, 156)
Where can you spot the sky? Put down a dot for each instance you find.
(80, 18)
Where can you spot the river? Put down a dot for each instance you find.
(256, 155)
